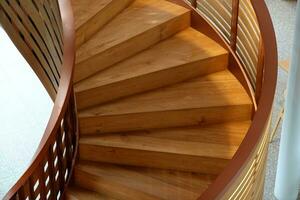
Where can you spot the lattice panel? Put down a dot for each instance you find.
(50, 175)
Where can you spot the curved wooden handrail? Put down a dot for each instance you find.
(262, 115)
(64, 101)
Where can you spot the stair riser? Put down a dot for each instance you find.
(131, 47)
(87, 30)
(150, 81)
(166, 119)
(107, 187)
(152, 159)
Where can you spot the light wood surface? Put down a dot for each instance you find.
(186, 55)
(198, 149)
(157, 107)
(142, 24)
(140, 183)
(78, 193)
(199, 101)
(92, 15)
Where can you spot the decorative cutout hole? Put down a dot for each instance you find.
(36, 185)
(47, 181)
(56, 161)
(64, 153)
(58, 195)
(66, 174)
(38, 197)
(46, 166)
(54, 147)
(63, 137)
(48, 194)
(56, 175)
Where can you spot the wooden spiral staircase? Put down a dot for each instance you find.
(160, 115)
(170, 97)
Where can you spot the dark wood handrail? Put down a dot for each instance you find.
(261, 117)
(64, 95)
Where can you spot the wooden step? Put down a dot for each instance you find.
(91, 15)
(186, 55)
(218, 97)
(78, 193)
(197, 149)
(142, 24)
(139, 183)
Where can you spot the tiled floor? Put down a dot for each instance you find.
(23, 101)
(25, 108)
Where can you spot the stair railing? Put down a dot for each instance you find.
(43, 31)
(246, 29)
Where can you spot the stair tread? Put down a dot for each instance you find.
(138, 17)
(215, 141)
(214, 90)
(79, 193)
(185, 47)
(86, 9)
(151, 183)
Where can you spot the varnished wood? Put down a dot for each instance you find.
(201, 149)
(234, 23)
(139, 183)
(92, 15)
(259, 128)
(202, 100)
(186, 55)
(260, 70)
(135, 29)
(78, 193)
(203, 25)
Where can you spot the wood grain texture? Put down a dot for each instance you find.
(140, 183)
(186, 55)
(202, 100)
(199, 149)
(142, 24)
(78, 193)
(92, 15)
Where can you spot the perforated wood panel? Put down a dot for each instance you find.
(52, 167)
